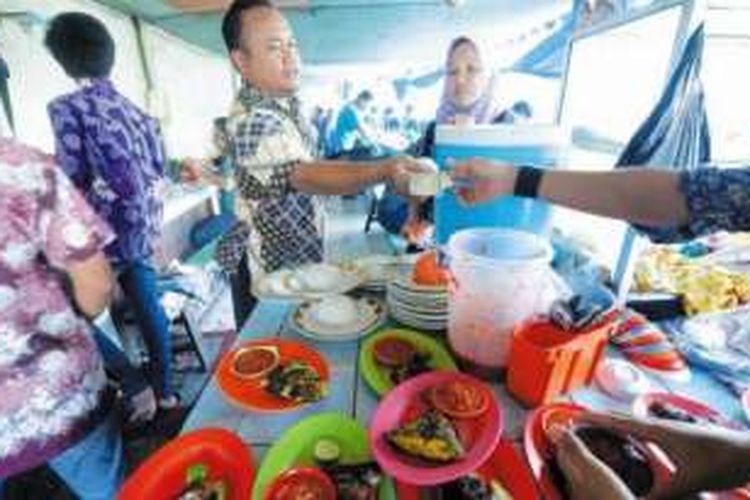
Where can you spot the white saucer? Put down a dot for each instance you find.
(621, 379)
(429, 316)
(312, 281)
(372, 314)
(419, 322)
(406, 285)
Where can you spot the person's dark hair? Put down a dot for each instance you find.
(220, 123)
(522, 108)
(365, 96)
(231, 26)
(81, 44)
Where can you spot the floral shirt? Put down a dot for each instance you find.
(51, 376)
(268, 138)
(114, 155)
(717, 200)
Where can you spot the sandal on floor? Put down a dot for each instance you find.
(174, 402)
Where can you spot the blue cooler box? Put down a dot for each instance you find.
(538, 145)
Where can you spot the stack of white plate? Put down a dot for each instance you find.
(307, 282)
(419, 306)
(338, 318)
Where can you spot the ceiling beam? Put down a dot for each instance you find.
(203, 6)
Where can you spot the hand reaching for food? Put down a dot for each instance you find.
(706, 458)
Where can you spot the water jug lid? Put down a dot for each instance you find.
(498, 245)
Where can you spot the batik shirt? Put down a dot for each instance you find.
(717, 199)
(113, 153)
(51, 376)
(279, 227)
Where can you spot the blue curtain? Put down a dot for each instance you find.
(676, 133)
(548, 58)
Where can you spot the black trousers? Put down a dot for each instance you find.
(243, 300)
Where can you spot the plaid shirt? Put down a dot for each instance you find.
(278, 227)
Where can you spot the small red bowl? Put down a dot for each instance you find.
(261, 367)
(295, 482)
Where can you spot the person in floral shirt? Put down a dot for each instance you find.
(113, 153)
(53, 403)
(688, 203)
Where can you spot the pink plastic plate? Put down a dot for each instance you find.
(479, 435)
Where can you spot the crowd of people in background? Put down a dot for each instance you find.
(359, 128)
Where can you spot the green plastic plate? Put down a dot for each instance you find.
(295, 449)
(377, 377)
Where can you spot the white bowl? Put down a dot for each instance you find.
(336, 311)
(319, 277)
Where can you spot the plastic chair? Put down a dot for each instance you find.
(218, 454)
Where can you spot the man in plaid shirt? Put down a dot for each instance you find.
(276, 169)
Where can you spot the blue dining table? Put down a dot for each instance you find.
(350, 395)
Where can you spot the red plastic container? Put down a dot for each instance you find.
(547, 361)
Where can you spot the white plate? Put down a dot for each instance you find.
(313, 281)
(407, 285)
(429, 314)
(421, 318)
(419, 310)
(419, 323)
(273, 284)
(372, 313)
(416, 297)
(420, 306)
(621, 379)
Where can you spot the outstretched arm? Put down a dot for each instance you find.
(641, 196)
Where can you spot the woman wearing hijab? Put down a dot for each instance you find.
(468, 99)
(469, 92)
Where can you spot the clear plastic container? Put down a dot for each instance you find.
(500, 279)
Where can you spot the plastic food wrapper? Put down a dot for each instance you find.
(190, 288)
(586, 297)
(719, 343)
(647, 345)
